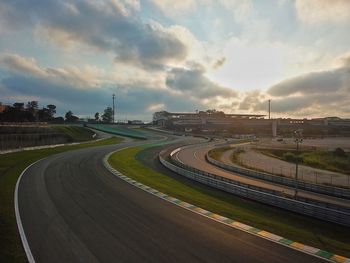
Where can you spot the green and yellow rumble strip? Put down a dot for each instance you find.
(232, 223)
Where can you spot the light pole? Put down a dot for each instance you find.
(298, 138)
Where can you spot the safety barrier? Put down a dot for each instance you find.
(270, 197)
(317, 188)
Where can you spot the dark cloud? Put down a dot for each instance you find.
(132, 101)
(323, 93)
(108, 25)
(315, 83)
(194, 83)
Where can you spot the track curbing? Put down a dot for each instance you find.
(229, 222)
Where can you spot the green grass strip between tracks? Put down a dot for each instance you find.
(323, 235)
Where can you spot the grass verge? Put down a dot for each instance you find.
(11, 166)
(75, 133)
(216, 153)
(296, 227)
(326, 160)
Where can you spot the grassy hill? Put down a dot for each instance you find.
(75, 133)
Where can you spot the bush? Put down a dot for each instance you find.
(339, 152)
(291, 157)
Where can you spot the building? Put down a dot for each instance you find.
(2, 107)
(207, 120)
(218, 121)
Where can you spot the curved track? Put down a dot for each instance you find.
(195, 157)
(74, 210)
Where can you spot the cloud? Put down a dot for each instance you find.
(316, 94)
(135, 101)
(168, 7)
(193, 82)
(16, 63)
(322, 82)
(323, 11)
(155, 107)
(84, 76)
(251, 100)
(84, 93)
(109, 25)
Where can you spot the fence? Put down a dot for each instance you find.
(270, 198)
(317, 188)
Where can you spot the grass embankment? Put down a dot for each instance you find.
(75, 133)
(11, 166)
(310, 231)
(326, 160)
(122, 131)
(217, 152)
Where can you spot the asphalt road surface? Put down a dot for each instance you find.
(74, 210)
(195, 157)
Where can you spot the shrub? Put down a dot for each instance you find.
(339, 152)
(289, 157)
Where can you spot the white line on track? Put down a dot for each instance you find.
(18, 217)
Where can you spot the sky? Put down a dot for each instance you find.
(230, 55)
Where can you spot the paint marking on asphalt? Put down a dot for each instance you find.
(18, 217)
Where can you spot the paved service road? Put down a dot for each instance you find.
(195, 157)
(74, 210)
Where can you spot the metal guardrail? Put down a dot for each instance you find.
(227, 185)
(322, 189)
(261, 189)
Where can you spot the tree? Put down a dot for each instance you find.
(97, 116)
(18, 105)
(340, 152)
(32, 105)
(51, 110)
(107, 115)
(70, 117)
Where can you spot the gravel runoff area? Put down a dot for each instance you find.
(262, 162)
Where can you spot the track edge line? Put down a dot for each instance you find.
(18, 216)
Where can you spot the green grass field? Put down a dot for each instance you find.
(122, 131)
(75, 133)
(296, 227)
(326, 160)
(11, 166)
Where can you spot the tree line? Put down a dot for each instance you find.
(30, 112)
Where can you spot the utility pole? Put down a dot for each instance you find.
(269, 109)
(113, 96)
(298, 139)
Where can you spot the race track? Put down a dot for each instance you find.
(74, 210)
